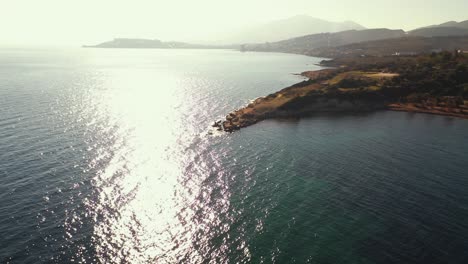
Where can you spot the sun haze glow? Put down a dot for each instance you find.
(59, 22)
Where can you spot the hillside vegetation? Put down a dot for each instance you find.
(305, 44)
(398, 47)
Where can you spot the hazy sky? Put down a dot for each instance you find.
(76, 22)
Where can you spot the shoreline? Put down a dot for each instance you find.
(228, 126)
(412, 109)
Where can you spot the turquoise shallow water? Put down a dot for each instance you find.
(105, 158)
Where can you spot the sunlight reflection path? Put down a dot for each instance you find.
(142, 215)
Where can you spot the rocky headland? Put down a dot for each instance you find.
(435, 84)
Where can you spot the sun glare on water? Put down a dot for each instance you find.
(142, 208)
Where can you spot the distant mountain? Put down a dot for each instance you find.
(409, 45)
(450, 28)
(287, 28)
(463, 24)
(309, 42)
(439, 31)
(149, 44)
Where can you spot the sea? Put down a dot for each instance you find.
(109, 156)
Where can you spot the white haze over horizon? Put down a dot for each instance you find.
(74, 23)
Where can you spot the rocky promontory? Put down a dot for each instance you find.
(367, 85)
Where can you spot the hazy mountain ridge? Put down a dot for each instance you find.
(274, 31)
(450, 28)
(309, 42)
(409, 45)
(439, 32)
(289, 28)
(150, 44)
(328, 44)
(462, 24)
(373, 42)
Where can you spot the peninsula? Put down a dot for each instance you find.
(434, 83)
(126, 43)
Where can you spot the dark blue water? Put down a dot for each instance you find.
(105, 158)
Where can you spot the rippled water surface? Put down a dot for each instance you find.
(106, 157)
